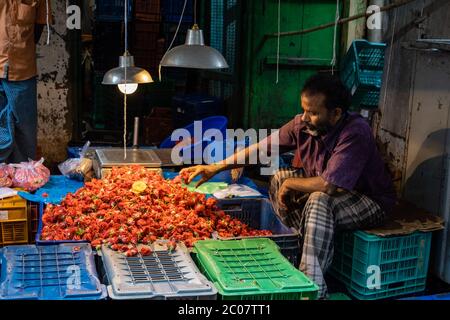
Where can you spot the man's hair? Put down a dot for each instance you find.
(336, 94)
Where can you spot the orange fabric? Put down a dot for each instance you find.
(17, 47)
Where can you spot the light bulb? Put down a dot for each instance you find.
(128, 88)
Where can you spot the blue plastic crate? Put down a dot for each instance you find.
(442, 296)
(163, 275)
(171, 11)
(189, 108)
(402, 261)
(362, 72)
(112, 10)
(59, 272)
(41, 242)
(219, 150)
(258, 213)
(188, 152)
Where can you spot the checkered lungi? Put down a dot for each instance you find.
(316, 216)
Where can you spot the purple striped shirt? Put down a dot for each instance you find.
(347, 157)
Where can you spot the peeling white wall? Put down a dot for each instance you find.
(54, 121)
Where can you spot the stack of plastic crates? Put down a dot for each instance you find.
(107, 45)
(252, 269)
(169, 29)
(13, 221)
(147, 45)
(192, 107)
(362, 72)
(112, 10)
(258, 213)
(62, 272)
(374, 267)
(148, 10)
(171, 11)
(163, 275)
(108, 105)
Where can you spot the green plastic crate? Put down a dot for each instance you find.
(252, 269)
(403, 263)
(362, 72)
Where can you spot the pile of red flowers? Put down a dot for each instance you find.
(113, 211)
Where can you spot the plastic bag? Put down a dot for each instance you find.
(6, 175)
(30, 175)
(77, 168)
(207, 187)
(237, 190)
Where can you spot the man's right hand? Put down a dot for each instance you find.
(206, 171)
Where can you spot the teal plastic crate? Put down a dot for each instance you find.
(362, 72)
(402, 261)
(252, 269)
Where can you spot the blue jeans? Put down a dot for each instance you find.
(21, 99)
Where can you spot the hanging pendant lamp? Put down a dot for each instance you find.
(127, 76)
(194, 53)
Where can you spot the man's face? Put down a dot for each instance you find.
(318, 119)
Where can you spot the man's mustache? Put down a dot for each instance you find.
(317, 129)
(311, 126)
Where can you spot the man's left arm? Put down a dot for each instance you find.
(343, 170)
(304, 185)
(309, 185)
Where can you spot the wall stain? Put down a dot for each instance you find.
(54, 129)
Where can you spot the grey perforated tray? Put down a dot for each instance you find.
(163, 275)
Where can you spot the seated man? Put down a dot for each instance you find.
(338, 179)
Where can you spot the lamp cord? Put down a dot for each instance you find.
(333, 61)
(278, 41)
(48, 23)
(195, 11)
(126, 25)
(174, 37)
(125, 94)
(125, 125)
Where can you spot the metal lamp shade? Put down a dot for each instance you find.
(194, 54)
(134, 74)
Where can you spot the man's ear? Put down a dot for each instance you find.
(338, 112)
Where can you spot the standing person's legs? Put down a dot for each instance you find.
(22, 96)
(322, 215)
(6, 123)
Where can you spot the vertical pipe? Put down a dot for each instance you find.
(375, 34)
(354, 29)
(136, 133)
